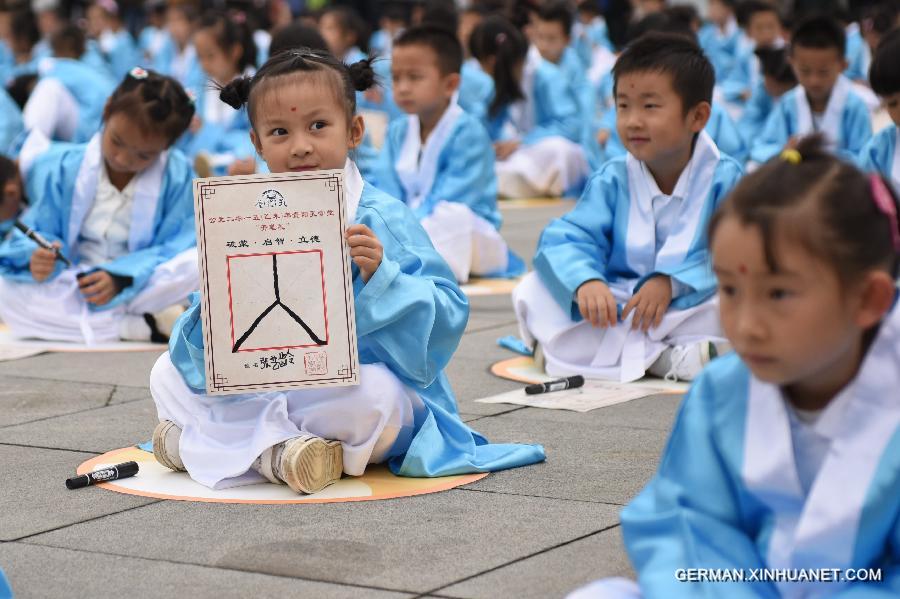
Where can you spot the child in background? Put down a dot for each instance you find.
(12, 196)
(121, 208)
(219, 137)
(875, 23)
(23, 39)
(622, 285)
(11, 123)
(719, 38)
(410, 316)
(178, 57)
(393, 20)
(777, 79)
(589, 32)
(115, 42)
(68, 101)
(880, 154)
(785, 454)
(439, 160)
(534, 117)
(761, 25)
(153, 37)
(824, 102)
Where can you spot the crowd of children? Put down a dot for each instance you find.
(732, 200)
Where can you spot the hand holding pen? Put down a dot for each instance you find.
(47, 253)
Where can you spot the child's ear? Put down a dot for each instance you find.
(254, 139)
(451, 83)
(357, 131)
(235, 54)
(876, 296)
(699, 116)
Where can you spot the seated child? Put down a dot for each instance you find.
(877, 20)
(590, 33)
(117, 47)
(12, 196)
(824, 102)
(153, 36)
(177, 57)
(439, 160)
(785, 454)
(880, 154)
(393, 20)
(68, 101)
(410, 316)
(24, 39)
(622, 283)
(762, 29)
(777, 79)
(11, 123)
(534, 117)
(121, 209)
(719, 38)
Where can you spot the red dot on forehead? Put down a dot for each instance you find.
(293, 109)
(742, 269)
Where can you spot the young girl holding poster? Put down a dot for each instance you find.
(410, 316)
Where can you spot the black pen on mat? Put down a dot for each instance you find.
(570, 382)
(103, 475)
(36, 237)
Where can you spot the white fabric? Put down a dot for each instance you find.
(107, 41)
(521, 113)
(548, 167)
(466, 241)
(613, 353)
(52, 110)
(353, 182)
(181, 64)
(895, 166)
(105, 231)
(608, 588)
(36, 143)
(602, 62)
(56, 309)
(810, 448)
(416, 165)
(830, 125)
(812, 530)
(222, 435)
(216, 111)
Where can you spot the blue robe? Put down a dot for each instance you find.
(90, 89)
(120, 52)
(11, 125)
(845, 123)
(384, 84)
(720, 47)
(231, 140)
(150, 42)
(756, 113)
(857, 54)
(586, 37)
(7, 62)
(609, 235)
(95, 58)
(162, 224)
(193, 78)
(586, 96)
(880, 155)
(409, 316)
(476, 88)
(729, 492)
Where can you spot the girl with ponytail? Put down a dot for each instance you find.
(533, 118)
(410, 316)
(120, 208)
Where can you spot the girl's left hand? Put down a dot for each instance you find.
(650, 303)
(98, 287)
(365, 249)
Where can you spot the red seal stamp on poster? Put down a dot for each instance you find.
(315, 363)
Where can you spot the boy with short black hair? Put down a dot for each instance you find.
(824, 102)
(777, 79)
(440, 160)
(761, 26)
(881, 154)
(622, 284)
(719, 38)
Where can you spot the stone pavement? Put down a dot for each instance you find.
(538, 531)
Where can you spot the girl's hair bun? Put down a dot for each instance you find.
(362, 75)
(236, 93)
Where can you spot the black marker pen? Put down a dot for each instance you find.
(571, 382)
(38, 239)
(123, 470)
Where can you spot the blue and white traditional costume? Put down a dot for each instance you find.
(755, 114)
(623, 231)
(450, 185)
(720, 45)
(180, 64)
(588, 37)
(476, 88)
(144, 233)
(224, 134)
(410, 317)
(845, 123)
(547, 122)
(120, 51)
(881, 155)
(11, 123)
(749, 482)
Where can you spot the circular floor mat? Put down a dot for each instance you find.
(154, 480)
(477, 286)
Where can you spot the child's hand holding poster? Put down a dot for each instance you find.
(276, 282)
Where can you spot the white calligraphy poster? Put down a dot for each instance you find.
(276, 282)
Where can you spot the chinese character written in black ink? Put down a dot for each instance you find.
(267, 242)
(230, 244)
(243, 243)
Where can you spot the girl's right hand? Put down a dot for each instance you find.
(596, 303)
(42, 262)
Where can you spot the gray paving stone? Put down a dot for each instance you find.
(85, 574)
(130, 368)
(96, 431)
(554, 573)
(27, 399)
(35, 498)
(125, 394)
(585, 461)
(448, 536)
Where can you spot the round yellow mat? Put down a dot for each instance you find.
(477, 286)
(154, 480)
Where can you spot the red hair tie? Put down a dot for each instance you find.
(886, 205)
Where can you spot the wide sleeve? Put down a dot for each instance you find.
(728, 138)
(875, 157)
(857, 129)
(575, 248)
(775, 132)
(689, 514)
(411, 314)
(556, 107)
(466, 175)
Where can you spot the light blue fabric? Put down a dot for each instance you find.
(7, 62)
(215, 138)
(878, 155)
(855, 129)
(858, 56)
(590, 241)
(380, 43)
(194, 79)
(94, 58)
(50, 183)
(744, 73)
(384, 84)
(587, 37)
(476, 88)
(696, 512)
(124, 56)
(556, 109)
(576, 75)
(409, 316)
(720, 49)
(5, 589)
(89, 87)
(11, 125)
(756, 112)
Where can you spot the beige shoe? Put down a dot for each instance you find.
(307, 464)
(166, 438)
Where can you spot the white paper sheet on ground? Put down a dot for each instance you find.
(12, 348)
(594, 394)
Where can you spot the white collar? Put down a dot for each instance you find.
(353, 184)
(416, 163)
(831, 118)
(681, 186)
